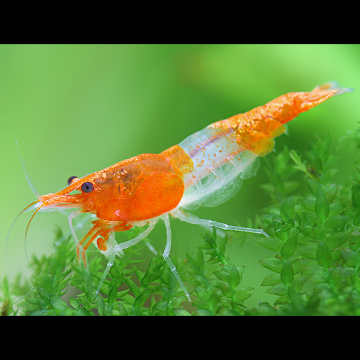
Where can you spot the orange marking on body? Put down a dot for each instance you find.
(256, 128)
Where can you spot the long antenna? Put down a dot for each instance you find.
(32, 187)
(33, 205)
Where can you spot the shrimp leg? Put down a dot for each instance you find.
(166, 254)
(117, 249)
(204, 222)
(134, 241)
(108, 266)
(70, 217)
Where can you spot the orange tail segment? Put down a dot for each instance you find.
(256, 128)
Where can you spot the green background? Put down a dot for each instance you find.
(76, 109)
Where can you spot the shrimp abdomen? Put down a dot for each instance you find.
(256, 129)
(225, 150)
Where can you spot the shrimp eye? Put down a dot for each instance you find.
(87, 187)
(70, 179)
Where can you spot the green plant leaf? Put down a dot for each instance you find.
(297, 304)
(308, 202)
(222, 275)
(301, 165)
(271, 243)
(234, 277)
(214, 299)
(288, 248)
(335, 208)
(74, 303)
(142, 297)
(272, 263)
(336, 240)
(200, 304)
(41, 313)
(35, 301)
(288, 220)
(356, 195)
(287, 273)
(299, 283)
(199, 258)
(244, 293)
(330, 192)
(202, 293)
(56, 302)
(204, 312)
(67, 312)
(336, 222)
(323, 255)
(308, 250)
(299, 264)
(351, 258)
(312, 232)
(319, 276)
(313, 185)
(82, 312)
(356, 218)
(321, 206)
(271, 279)
(134, 289)
(43, 293)
(278, 289)
(112, 295)
(278, 223)
(265, 308)
(226, 289)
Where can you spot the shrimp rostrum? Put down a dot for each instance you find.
(206, 169)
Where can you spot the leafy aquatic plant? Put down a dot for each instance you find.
(314, 240)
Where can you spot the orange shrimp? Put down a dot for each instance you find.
(207, 168)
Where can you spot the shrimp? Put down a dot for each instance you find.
(207, 168)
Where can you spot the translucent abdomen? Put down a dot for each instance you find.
(225, 152)
(220, 164)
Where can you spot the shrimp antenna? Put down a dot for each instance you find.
(35, 204)
(29, 207)
(27, 228)
(32, 187)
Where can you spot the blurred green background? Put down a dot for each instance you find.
(76, 109)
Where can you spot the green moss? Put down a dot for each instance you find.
(314, 241)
